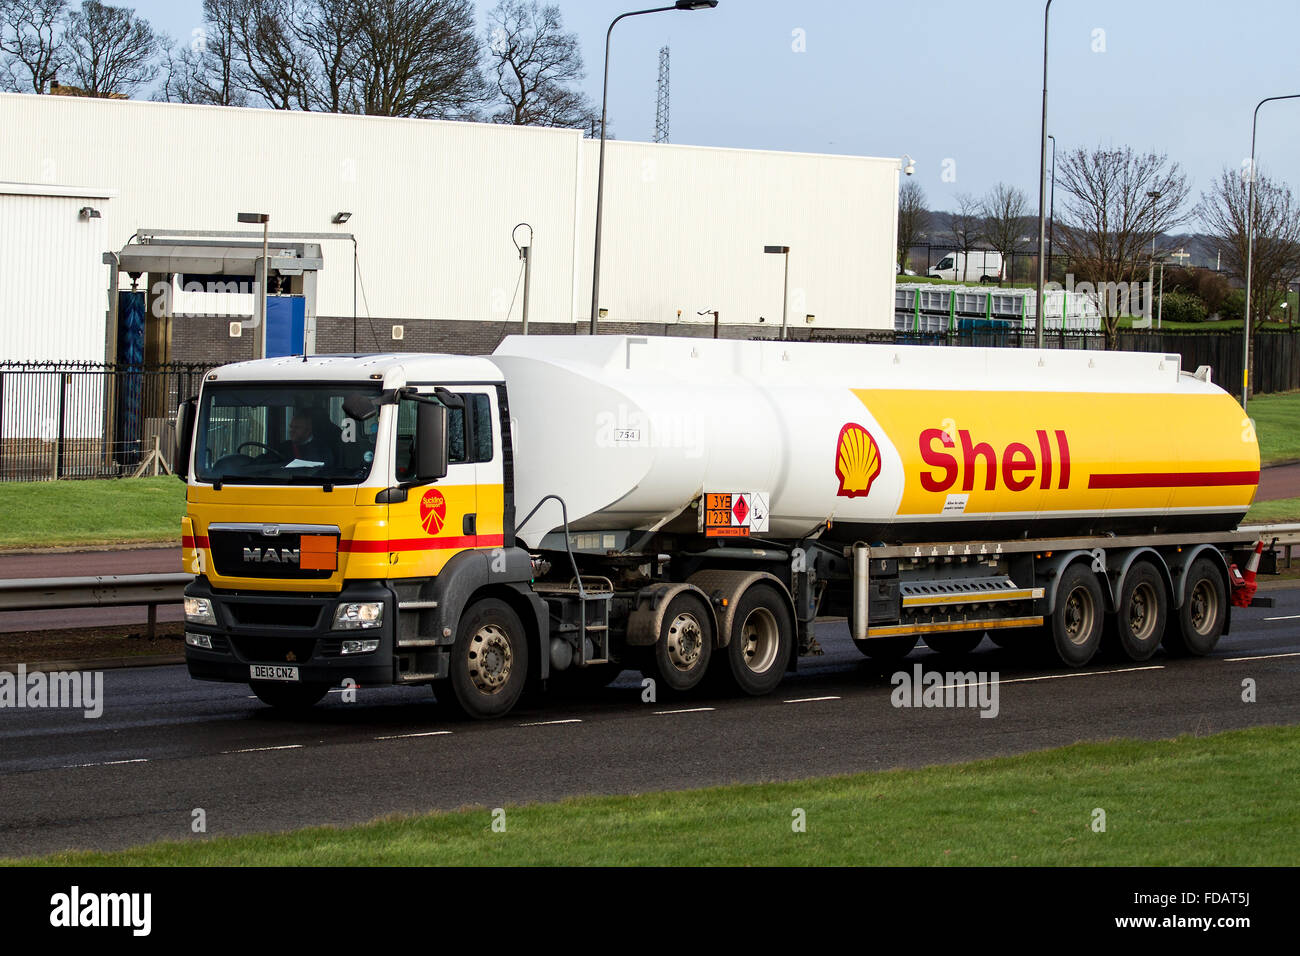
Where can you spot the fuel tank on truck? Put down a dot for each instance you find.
(885, 442)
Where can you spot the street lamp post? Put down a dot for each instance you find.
(785, 285)
(1051, 217)
(259, 340)
(1042, 191)
(1250, 247)
(600, 173)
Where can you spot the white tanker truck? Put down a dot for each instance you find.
(573, 506)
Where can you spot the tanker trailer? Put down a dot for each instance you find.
(574, 506)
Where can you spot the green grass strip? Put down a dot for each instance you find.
(42, 514)
(1222, 800)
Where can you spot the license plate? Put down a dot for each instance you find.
(273, 672)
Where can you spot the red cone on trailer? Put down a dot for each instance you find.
(1244, 586)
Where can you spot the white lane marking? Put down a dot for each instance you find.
(548, 723)
(427, 733)
(254, 750)
(1261, 657)
(106, 763)
(807, 700)
(1285, 617)
(1022, 680)
(685, 710)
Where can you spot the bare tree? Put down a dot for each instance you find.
(32, 47)
(419, 58)
(1003, 215)
(1276, 259)
(329, 30)
(533, 62)
(272, 64)
(110, 49)
(966, 227)
(913, 219)
(1116, 203)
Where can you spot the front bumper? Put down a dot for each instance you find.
(262, 627)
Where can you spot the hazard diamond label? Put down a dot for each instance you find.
(733, 514)
(739, 510)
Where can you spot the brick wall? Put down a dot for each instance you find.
(208, 340)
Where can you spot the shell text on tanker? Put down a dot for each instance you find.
(1016, 463)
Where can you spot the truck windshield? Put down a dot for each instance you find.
(945, 264)
(281, 434)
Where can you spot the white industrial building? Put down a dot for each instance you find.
(432, 208)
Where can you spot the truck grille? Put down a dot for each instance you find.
(266, 614)
(248, 553)
(274, 650)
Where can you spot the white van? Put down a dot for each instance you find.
(979, 265)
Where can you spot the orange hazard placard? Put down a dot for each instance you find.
(318, 552)
(721, 519)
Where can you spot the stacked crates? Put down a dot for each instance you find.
(922, 307)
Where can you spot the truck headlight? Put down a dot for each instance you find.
(367, 614)
(361, 647)
(198, 640)
(199, 611)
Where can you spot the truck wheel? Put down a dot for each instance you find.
(762, 634)
(1076, 620)
(489, 661)
(681, 655)
(1142, 614)
(1200, 620)
(954, 644)
(887, 648)
(289, 697)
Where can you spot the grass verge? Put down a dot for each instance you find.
(1273, 512)
(52, 513)
(1223, 800)
(1277, 425)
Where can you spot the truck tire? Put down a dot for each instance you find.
(1141, 616)
(680, 658)
(887, 649)
(954, 644)
(1199, 623)
(1076, 622)
(489, 661)
(762, 634)
(289, 697)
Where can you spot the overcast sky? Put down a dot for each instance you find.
(956, 85)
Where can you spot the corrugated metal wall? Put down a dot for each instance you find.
(434, 203)
(52, 280)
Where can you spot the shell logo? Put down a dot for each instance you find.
(857, 461)
(433, 511)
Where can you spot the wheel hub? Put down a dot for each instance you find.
(490, 659)
(759, 640)
(685, 642)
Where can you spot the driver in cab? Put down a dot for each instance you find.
(303, 445)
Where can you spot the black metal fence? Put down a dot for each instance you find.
(88, 419)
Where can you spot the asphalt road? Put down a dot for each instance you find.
(166, 745)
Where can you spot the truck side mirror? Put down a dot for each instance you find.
(430, 442)
(184, 438)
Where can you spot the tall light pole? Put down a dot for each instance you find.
(785, 285)
(1051, 218)
(1250, 246)
(259, 341)
(1042, 191)
(600, 173)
